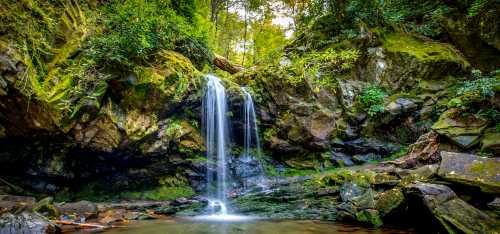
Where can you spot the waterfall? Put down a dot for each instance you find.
(216, 124)
(216, 136)
(252, 153)
(251, 132)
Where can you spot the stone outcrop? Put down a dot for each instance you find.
(471, 170)
(465, 132)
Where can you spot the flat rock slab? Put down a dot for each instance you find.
(464, 132)
(471, 170)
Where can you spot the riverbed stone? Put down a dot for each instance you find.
(82, 208)
(46, 208)
(26, 222)
(369, 216)
(452, 213)
(471, 170)
(388, 201)
(359, 196)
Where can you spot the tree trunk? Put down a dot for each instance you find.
(226, 65)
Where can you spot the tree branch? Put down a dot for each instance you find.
(226, 65)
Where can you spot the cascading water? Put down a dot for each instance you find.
(216, 126)
(216, 136)
(251, 138)
(251, 144)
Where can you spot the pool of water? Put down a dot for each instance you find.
(246, 226)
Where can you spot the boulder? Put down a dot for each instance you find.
(82, 208)
(495, 204)
(401, 105)
(365, 146)
(26, 223)
(341, 159)
(408, 59)
(424, 151)
(360, 197)
(46, 208)
(452, 213)
(369, 216)
(112, 216)
(465, 132)
(365, 158)
(491, 141)
(389, 201)
(471, 170)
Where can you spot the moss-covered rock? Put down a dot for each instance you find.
(491, 141)
(369, 216)
(465, 132)
(409, 59)
(471, 170)
(452, 213)
(46, 208)
(476, 36)
(389, 201)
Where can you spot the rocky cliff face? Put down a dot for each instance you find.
(329, 123)
(132, 134)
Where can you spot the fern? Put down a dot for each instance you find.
(477, 7)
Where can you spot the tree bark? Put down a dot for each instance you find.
(226, 65)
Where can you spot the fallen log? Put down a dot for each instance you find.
(80, 225)
(226, 65)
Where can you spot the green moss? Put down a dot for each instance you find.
(369, 216)
(426, 51)
(337, 177)
(487, 168)
(299, 172)
(388, 201)
(160, 193)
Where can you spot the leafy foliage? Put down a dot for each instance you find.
(474, 91)
(478, 6)
(46, 37)
(134, 30)
(372, 100)
(328, 63)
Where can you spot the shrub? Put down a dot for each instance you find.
(372, 100)
(474, 91)
(321, 66)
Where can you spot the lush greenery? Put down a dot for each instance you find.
(473, 96)
(134, 30)
(372, 100)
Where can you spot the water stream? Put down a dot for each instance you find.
(215, 123)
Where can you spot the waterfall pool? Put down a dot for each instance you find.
(246, 226)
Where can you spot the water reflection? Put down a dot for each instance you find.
(247, 226)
